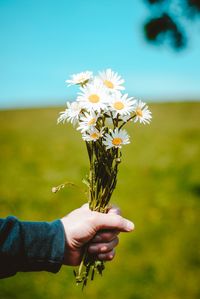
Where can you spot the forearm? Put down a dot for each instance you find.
(30, 246)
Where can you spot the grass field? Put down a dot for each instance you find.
(158, 188)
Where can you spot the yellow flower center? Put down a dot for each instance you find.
(117, 141)
(109, 84)
(94, 135)
(94, 98)
(81, 79)
(139, 112)
(118, 105)
(92, 121)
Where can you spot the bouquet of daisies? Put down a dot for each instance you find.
(100, 113)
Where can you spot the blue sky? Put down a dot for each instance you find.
(43, 42)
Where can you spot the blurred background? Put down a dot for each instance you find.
(155, 47)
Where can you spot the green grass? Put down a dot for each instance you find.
(158, 188)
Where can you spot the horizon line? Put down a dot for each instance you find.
(59, 105)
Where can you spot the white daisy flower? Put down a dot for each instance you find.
(116, 139)
(121, 104)
(63, 117)
(143, 114)
(111, 80)
(93, 97)
(81, 78)
(88, 121)
(71, 113)
(93, 134)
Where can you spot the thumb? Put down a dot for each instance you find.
(112, 221)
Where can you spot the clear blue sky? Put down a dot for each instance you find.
(42, 42)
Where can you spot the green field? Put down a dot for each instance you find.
(158, 188)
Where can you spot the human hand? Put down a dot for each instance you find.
(83, 226)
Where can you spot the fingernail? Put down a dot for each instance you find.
(104, 248)
(129, 225)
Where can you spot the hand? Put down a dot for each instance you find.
(96, 229)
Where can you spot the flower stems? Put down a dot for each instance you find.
(102, 182)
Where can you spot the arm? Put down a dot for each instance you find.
(45, 246)
(30, 246)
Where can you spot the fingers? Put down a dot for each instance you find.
(97, 248)
(85, 206)
(111, 221)
(106, 256)
(104, 252)
(114, 210)
(105, 236)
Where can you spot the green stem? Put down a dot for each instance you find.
(127, 121)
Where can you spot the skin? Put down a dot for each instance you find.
(99, 231)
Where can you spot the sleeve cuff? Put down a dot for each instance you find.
(44, 246)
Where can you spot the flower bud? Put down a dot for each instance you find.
(54, 190)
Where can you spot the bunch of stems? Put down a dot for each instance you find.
(101, 184)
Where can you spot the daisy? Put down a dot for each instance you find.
(71, 113)
(93, 96)
(116, 139)
(63, 117)
(87, 121)
(81, 78)
(111, 80)
(93, 134)
(143, 114)
(121, 104)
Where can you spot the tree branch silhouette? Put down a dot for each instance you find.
(166, 23)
